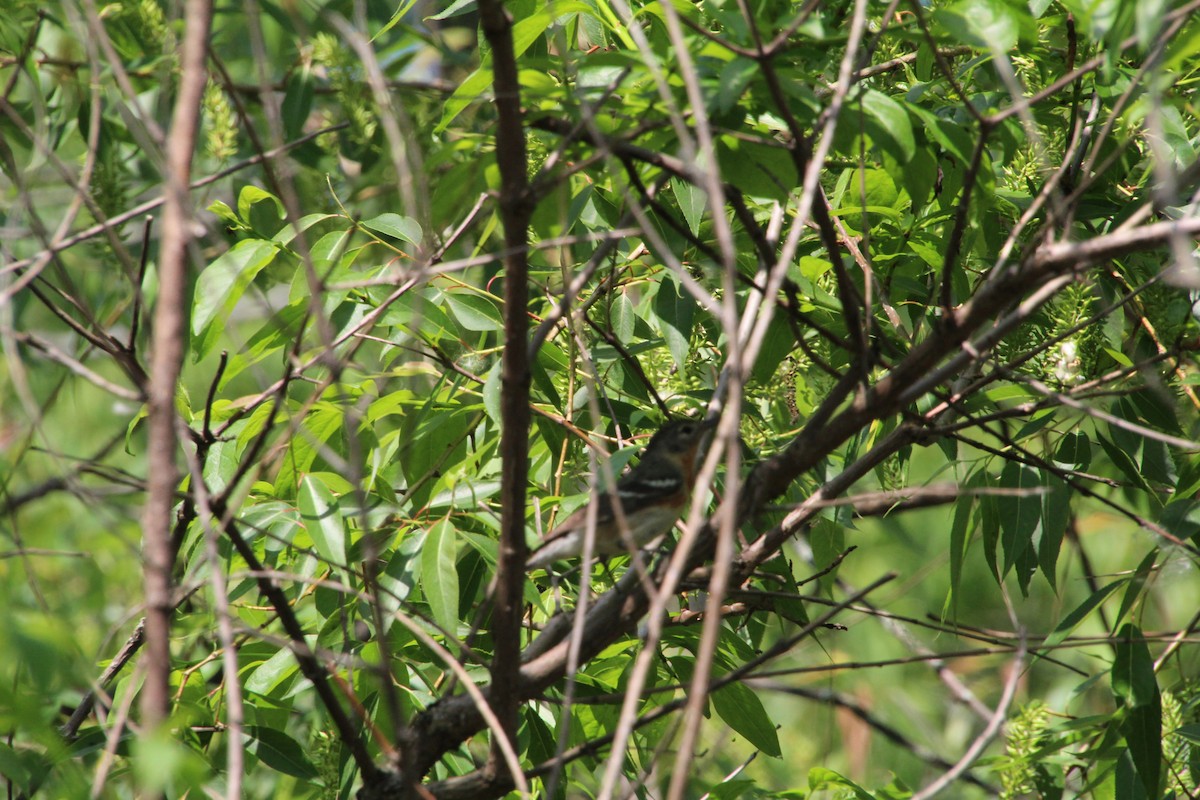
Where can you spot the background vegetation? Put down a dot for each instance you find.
(314, 315)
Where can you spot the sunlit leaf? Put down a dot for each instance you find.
(223, 282)
(403, 228)
(322, 518)
(990, 24)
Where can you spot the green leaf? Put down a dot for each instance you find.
(465, 496)
(1133, 679)
(736, 75)
(297, 102)
(328, 251)
(692, 202)
(946, 133)
(280, 520)
(12, 768)
(874, 189)
(420, 314)
(439, 573)
(1123, 461)
(1020, 515)
(888, 125)
(1149, 407)
(1074, 451)
(990, 24)
(403, 228)
(822, 778)
(741, 710)
(777, 344)
(1136, 584)
(319, 425)
(1072, 621)
(989, 529)
(280, 752)
(828, 540)
(491, 393)
(733, 789)
(223, 212)
(1056, 514)
(474, 312)
(1190, 732)
(260, 209)
(960, 539)
(1143, 736)
(268, 675)
(1125, 783)
(1188, 482)
(161, 761)
(676, 312)
(223, 282)
(134, 423)
(435, 443)
(812, 267)
(1182, 517)
(322, 518)
(469, 91)
(920, 176)
(623, 317)
(454, 9)
(758, 170)
(288, 232)
(524, 33)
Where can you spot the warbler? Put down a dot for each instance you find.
(651, 496)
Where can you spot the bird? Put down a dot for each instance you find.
(651, 497)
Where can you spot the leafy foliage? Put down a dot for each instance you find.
(930, 262)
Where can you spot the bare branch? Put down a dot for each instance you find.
(515, 210)
(166, 358)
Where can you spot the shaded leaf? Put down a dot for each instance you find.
(439, 573)
(1074, 451)
(297, 102)
(676, 312)
(692, 202)
(888, 125)
(1081, 612)
(1020, 515)
(741, 709)
(623, 317)
(1143, 736)
(474, 312)
(280, 752)
(268, 675)
(1136, 583)
(960, 540)
(1056, 514)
